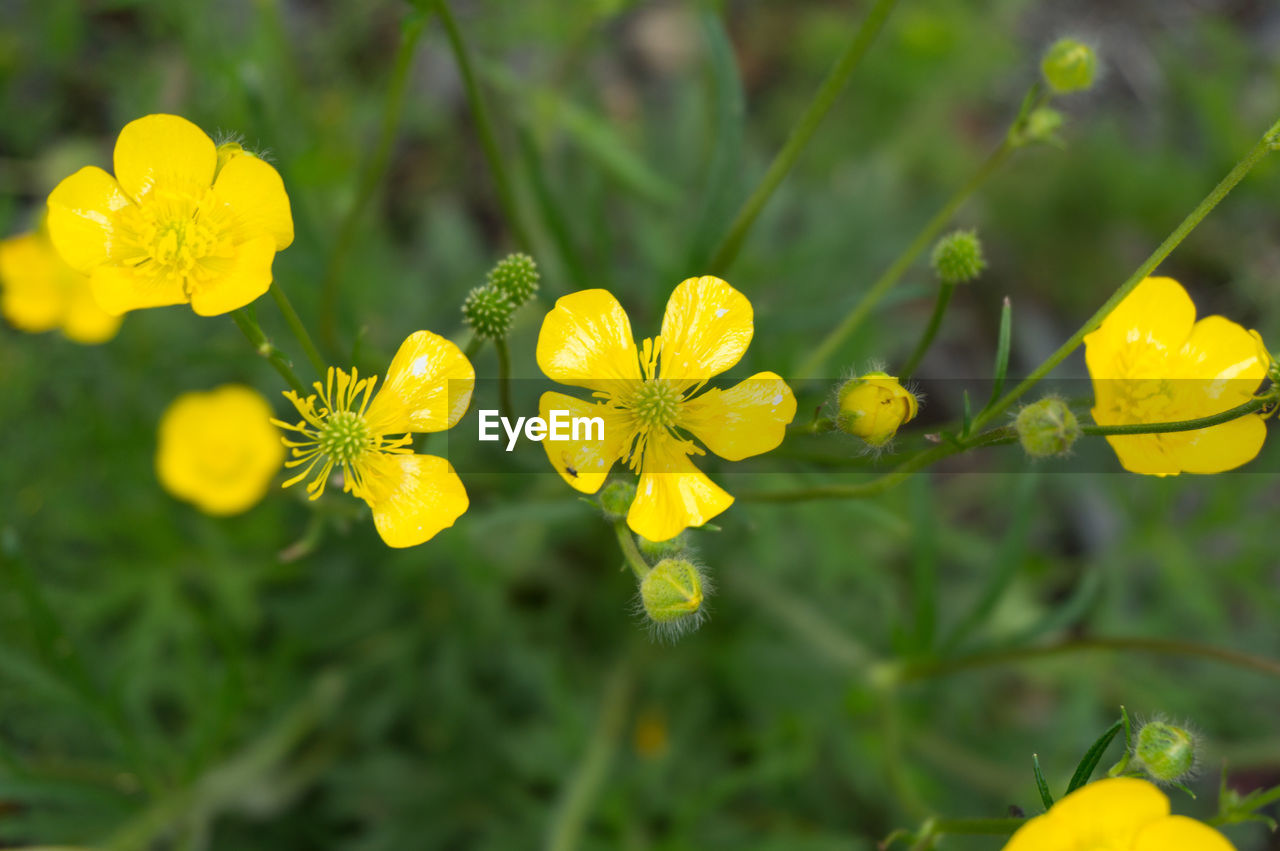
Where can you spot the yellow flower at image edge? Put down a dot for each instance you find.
(367, 438)
(1117, 814)
(649, 399)
(40, 292)
(1152, 362)
(182, 221)
(218, 449)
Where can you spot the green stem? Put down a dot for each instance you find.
(371, 175)
(940, 304)
(977, 826)
(253, 333)
(803, 131)
(829, 344)
(299, 330)
(1252, 406)
(484, 125)
(473, 346)
(504, 375)
(1242, 168)
(630, 551)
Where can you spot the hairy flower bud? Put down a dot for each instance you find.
(1069, 66)
(672, 593)
(1047, 428)
(516, 277)
(874, 406)
(487, 312)
(1165, 752)
(616, 498)
(957, 257)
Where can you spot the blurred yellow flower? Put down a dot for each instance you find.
(218, 449)
(1151, 362)
(1117, 814)
(648, 400)
(179, 223)
(428, 389)
(39, 292)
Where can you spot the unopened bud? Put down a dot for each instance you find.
(1069, 66)
(957, 257)
(516, 277)
(874, 406)
(616, 499)
(672, 593)
(1165, 752)
(1047, 428)
(228, 151)
(488, 312)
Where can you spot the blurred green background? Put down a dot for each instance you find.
(170, 680)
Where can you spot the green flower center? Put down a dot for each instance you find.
(656, 404)
(345, 437)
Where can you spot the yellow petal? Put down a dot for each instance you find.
(1179, 833)
(585, 464)
(413, 497)
(747, 419)
(672, 494)
(1040, 834)
(586, 341)
(1146, 454)
(427, 388)
(31, 293)
(1218, 448)
(118, 289)
(81, 219)
(86, 322)
(1149, 325)
(164, 150)
(246, 276)
(255, 192)
(1218, 367)
(705, 330)
(1109, 813)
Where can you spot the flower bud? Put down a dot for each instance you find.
(1165, 752)
(488, 313)
(516, 277)
(655, 550)
(616, 499)
(228, 151)
(874, 406)
(957, 257)
(1047, 428)
(1069, 66)
(1042, 125)
(672, 592)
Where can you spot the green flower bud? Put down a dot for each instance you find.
(616, 499)
(1042, 125)
(1069, 66)
(1165, 752)
(655, 550)
(874, 406)
(516, 277)
(488, 313)
(672, 593)
(957, 257)
(1047, 428)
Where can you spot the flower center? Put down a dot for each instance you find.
(656, 404)
(345, 437)
(176, 234)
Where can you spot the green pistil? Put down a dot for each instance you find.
(345, 437)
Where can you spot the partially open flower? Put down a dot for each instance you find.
(874, 406)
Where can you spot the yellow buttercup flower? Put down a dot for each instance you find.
(1117, 814)
(874, 406)
(218, 449)
(181, 222)
(649, 399)
(367, 437)
(1151, 362)
(39, 292)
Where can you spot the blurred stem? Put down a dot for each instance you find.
(484, 126)
(299, 330)
(630, 551)
(370, 176)
(894, 759)
(1242, 168)
(976, 826)
(473, 346)
(945, 290)
(570, 817)
(253, 333)
(801, 133)
(1252, 406)
(504, 374)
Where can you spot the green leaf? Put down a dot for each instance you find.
(967, 421)
(1046, 797)
(1002, 349)
(1092, 757)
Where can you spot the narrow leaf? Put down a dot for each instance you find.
(1092, 757)
(1002, 348)
(1046, 797)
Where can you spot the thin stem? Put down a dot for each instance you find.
(803, 131)
(299, 330)
(473, 346)
(630, 551)
(253, 333)
(371, 175)
(504, 374)
(940, 304)
(1252, 406)
(1242, 168)
(977, 826)
(829, 344)
(484, 125)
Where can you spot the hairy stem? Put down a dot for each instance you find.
(253, 333)
(630, 551)
(504, 375)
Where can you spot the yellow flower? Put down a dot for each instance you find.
(179, 223)
(428, 389)
(39, 292)
(219, 450)
(648, 400)
(1151, 362)
(1117, 814)
(874, 406)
